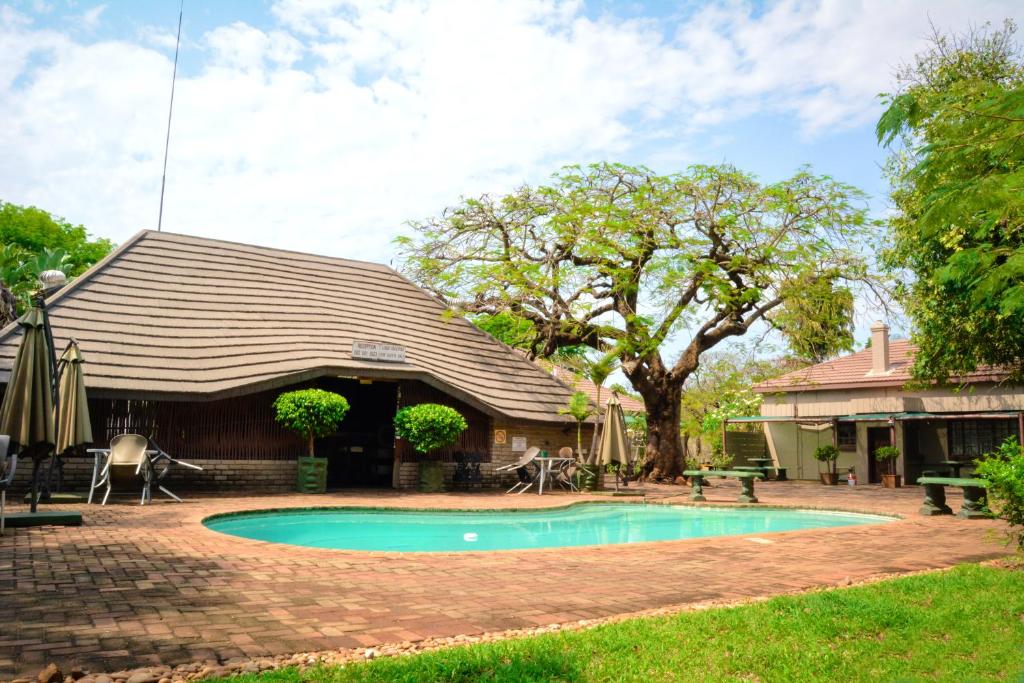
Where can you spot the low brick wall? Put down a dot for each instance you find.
(217, 475)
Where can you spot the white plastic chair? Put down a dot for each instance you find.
(125, 460)
(7, 468)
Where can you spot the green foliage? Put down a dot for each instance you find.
(817, 319)
(906, 629)
(887, 455)
(429, 426)
(827, 454)
(956, 176)
(619, 258)
(1004, 471)
(580, 408)
(521, 334)
(34, 240)
(310, 413)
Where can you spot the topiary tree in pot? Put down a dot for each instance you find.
(828, 454)
(429, 427)
(311, 413)
(887, 456)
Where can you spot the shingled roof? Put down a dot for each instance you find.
(578, 382)
(171, 316)
(854, 372)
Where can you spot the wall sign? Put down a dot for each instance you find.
(390, 353)
(518, 443)
(500, 437)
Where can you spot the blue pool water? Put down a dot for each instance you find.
(456, 531)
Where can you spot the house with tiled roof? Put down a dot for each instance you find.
(189, 340)
(866, 400)
(578, 382)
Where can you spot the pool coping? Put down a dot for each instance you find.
(881, 519)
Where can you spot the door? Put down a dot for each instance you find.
(877, 437)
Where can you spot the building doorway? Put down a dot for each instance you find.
(361, 453)
(877, 437)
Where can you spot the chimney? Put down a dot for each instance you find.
(879, 348)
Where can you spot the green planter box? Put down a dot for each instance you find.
(312, 475)
(591, 477)
(431, 476)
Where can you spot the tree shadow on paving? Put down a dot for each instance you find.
(107, 607)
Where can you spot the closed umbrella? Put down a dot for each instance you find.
(73, 427)
(614, 446)
(27, 411)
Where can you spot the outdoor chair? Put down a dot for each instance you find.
(135, 459)
(565, 474)
(522, 470)
(7, 467)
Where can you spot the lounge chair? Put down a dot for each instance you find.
(521, 467)
(7, 467)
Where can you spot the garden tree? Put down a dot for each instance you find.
(34, 241)
(721, 388)
(1004, 472)
(580, 408)
(955, 125)
(618, 258)
(429, 426)
(310, 413)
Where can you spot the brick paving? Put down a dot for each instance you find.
(139, 586)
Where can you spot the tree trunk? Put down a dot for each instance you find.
(311, 441)
(663, 402)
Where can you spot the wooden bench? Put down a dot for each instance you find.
(935, 496)
(746, 480)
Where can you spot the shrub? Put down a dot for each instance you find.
(580, 408)
(827, 454)
(429, 426)
(310, 413)
(1004, 471)
(887, 455)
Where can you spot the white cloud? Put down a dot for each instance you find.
(90, 19)
(328, 129)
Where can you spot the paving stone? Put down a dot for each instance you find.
(151, 586)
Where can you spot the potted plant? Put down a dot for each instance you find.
(887, 455)
(828, 455)
(580, 408)
(429, 427)
(311, 413)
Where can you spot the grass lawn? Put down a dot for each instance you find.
(962, 625)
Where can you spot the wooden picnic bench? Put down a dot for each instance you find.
(746, 481)
(935, 496)
(780, 472)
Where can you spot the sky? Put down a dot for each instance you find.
(326, 125)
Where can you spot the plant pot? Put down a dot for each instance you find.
(892, 481)
(431, 476)
(312, 476)
(829, 478)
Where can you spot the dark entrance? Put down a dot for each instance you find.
(877, 437)
(362, 453)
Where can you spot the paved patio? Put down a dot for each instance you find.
(141, 586)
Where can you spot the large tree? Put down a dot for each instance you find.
(32, 240)
(955, 126)
(628, 262)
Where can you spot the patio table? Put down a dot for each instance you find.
(761, 462)
(546, 466)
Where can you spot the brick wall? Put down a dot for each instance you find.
(220, 475)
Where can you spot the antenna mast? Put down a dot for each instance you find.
(170, 111)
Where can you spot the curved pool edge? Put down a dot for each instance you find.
(878, 519)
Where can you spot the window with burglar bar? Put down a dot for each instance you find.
(972, 438)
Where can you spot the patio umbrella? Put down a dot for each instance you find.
(614, 446)
(27, 411)
(73, 426)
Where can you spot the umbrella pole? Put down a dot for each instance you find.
(35, 485)
(54, 393)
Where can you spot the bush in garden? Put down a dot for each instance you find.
(1004, 472)
(887, 455)
(310, 413)
(429, 426)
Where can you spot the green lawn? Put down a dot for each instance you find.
(963, 625)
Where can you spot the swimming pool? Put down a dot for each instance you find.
(459, 530)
